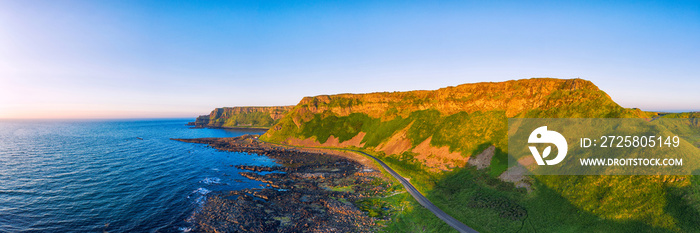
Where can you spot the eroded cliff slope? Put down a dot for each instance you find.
(430, 136)
(440, 129)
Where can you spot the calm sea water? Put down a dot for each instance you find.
(95, 176)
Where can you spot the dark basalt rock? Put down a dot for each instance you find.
(296, 199)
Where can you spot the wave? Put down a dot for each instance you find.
(202, 191)
(212, 180)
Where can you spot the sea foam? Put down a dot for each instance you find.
(202, 191)
(211, 180)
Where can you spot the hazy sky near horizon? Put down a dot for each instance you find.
(128, 59)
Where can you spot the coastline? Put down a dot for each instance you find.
(195, 126)
(312, 190)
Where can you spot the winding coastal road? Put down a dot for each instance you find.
(454, 223)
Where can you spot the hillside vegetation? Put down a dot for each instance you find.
(241, 117)
(429, 137)
(441, 128)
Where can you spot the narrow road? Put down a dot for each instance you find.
(454, 223)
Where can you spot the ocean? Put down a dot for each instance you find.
(112, 175)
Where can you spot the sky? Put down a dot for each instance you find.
(152, 59)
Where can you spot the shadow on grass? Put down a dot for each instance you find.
(684, 205)
(487, 204)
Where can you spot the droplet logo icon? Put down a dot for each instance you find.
(542, 135)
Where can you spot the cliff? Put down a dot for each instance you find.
(442, 128)
(242, 117)
(431, 136)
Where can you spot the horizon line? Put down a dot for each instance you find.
(195, 117)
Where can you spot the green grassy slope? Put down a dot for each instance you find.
(469, 118)
(689, 128)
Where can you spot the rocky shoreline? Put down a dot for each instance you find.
(313, 191)
(199, 126)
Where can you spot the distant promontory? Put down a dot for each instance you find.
(242, 117)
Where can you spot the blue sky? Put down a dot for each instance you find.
(122, 59)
